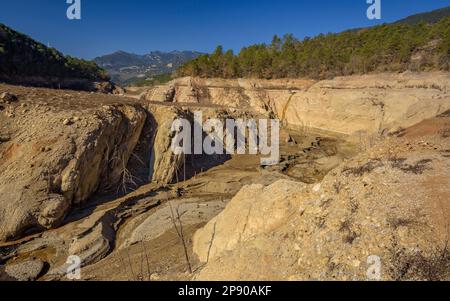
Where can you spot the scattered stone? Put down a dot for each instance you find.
(4, 138)
(67, 122)
(25, 271)
(7, 97)
(317, 187)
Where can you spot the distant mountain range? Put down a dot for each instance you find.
(126, 68)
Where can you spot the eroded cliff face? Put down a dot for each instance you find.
(388, 206)
(353, 105)
(164, 163)
(60, 148)
(166, 166)
(56, 156)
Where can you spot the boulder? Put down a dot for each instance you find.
(25, 271)
(7, 98)
(383, 209)
(254, 210)
(38, 188)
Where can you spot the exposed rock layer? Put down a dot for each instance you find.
(368, 104)
(388, 205)
(56, 158)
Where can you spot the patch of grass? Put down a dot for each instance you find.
(396, 222)
(345, 226)
(416, 265)
(337, 187)
(320, 221)
(350, 237)
(445, 133)
(363, 169)
(446, 153)
(399, 133)
(418, 168)
(149, 81)
(354, 206)
(349, 234)
(445, 114)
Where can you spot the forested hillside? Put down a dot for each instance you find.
(429, 17)
(22, 57)
(390, 47)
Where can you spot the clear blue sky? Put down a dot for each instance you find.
(140, 26)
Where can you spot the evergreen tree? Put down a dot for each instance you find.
(377, 49)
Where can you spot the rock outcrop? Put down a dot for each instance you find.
(165, 164)
(57, 157)
(61, 150)
(361, 105)
(25, 271)
(254, 210)
(388, 206)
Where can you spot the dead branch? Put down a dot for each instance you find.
(146, 258)
(180, 233)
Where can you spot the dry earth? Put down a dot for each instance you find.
(363, 171)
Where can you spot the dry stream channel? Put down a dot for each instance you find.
(147, 234)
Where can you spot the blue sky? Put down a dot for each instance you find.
(140, 26)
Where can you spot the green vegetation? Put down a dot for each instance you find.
(430, 17)
(21, 56)
(390, 47)
(152, 81)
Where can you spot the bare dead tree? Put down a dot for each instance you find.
(131, 266)
(138, 159)
(124, 266)
(141, 275)
(213, 236)
(178, 225)
(128, 180)
(144, 250)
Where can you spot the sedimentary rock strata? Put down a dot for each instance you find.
(363, 172)
(368, 104)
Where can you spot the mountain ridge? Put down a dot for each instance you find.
(431, 17)
(126, 67)
(23, 60)
(418, 43)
